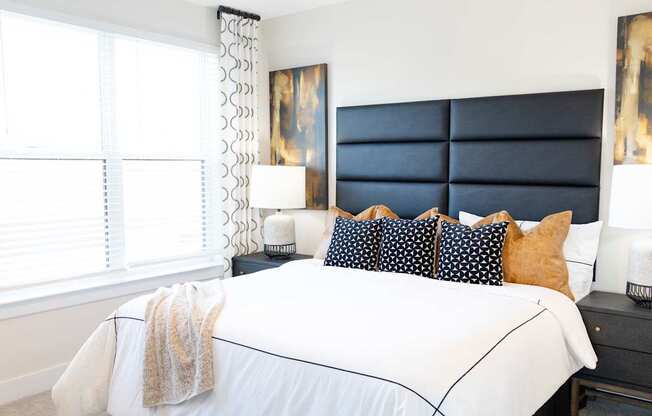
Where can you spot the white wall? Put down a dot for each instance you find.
(34, 349)
(379, 51)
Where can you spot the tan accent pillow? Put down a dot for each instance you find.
(374, 212)
(535, 257)
(432, 212)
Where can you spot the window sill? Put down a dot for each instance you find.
(46, 297)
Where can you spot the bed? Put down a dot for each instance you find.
(306, 339)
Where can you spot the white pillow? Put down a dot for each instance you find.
(580, 251)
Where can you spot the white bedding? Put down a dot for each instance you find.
(309, 340)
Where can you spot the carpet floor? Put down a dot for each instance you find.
(38, 405)
(41, 405)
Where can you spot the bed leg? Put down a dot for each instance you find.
(575, 398)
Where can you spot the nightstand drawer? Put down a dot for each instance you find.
(623, 365)
(619, 331)
(240, 268)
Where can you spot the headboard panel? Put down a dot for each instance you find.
(532, 154)
(407, 199)
(422, 121)
(556, 115)
(393, 152)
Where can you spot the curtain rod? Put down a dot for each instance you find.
(229, 10)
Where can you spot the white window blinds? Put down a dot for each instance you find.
(107, 158)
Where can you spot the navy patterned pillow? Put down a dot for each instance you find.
(472, 255)
(355, 244)
(408, 246)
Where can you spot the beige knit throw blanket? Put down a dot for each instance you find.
(178, 346)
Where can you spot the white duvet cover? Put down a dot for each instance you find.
(308, 340)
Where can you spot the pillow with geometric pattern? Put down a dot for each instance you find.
(355, 244)
(536, 256)
(432, 212)
(470, 255)
(374, 212)
(580, 250)
(408, 246)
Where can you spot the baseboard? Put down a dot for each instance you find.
(30, 384)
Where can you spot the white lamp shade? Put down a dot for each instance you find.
(631, 197)
(278, 187)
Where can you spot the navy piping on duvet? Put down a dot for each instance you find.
(298, 360)
(579, 262)
(436, 408)
(115, 330)
(327, 366)
(482, 358)
(125, 317)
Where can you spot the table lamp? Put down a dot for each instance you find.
(631, 207)
(278, 187)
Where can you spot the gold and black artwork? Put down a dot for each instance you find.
(298, 122)
(634, 90)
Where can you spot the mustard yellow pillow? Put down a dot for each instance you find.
(535, 257)
(374, 212)
(433, 212)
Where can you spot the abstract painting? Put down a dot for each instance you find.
(633, 144)
(298, 121)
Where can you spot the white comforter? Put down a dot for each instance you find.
(308, 340)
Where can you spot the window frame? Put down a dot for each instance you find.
(207, 264)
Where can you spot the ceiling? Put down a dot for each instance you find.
(269, 8)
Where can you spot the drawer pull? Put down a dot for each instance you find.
(598, 329)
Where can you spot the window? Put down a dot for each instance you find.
(107, 152)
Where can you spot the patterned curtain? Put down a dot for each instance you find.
(241, 224)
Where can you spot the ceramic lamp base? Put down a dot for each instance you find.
(278, 235)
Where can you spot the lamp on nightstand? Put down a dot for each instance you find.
(631, 207)
(278, 187)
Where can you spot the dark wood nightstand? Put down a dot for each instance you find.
(621, 334)
(259, 261)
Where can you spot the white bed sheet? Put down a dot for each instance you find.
(310, 340)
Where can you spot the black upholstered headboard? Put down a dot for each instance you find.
(532, 154)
